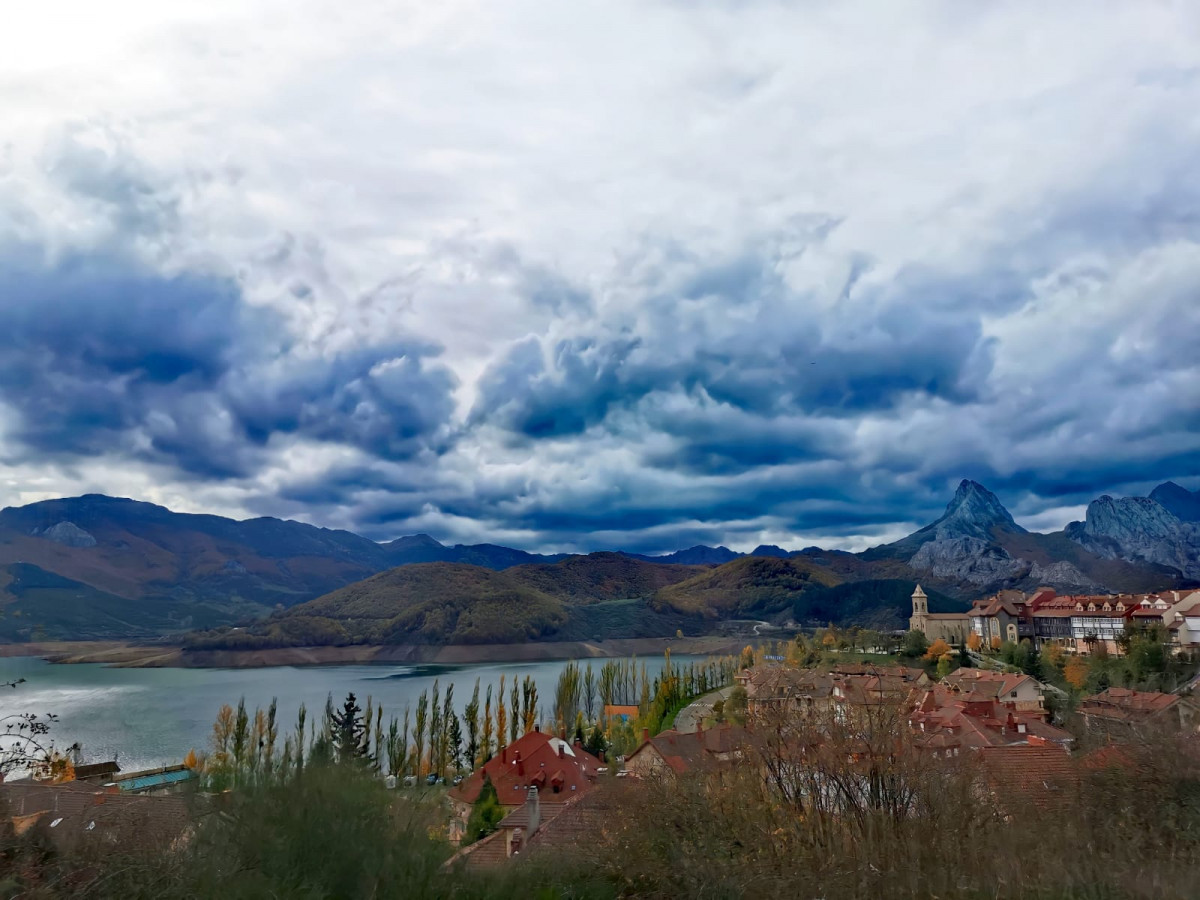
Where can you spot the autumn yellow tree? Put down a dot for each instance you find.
(938, 649)
(1076, 672)
(995, 643)
(1053, 654)
(974, 642)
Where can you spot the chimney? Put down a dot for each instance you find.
(532, 803)
(504, 754)
(537, 726)
(578, 744)
(700, 726)
(561, 744)
(517, 760)
(645, 735)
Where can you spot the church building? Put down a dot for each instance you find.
(950, 627)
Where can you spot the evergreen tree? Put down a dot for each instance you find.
(595, 743)
(964, 658)
(485, 814)
(1031, 664)
(348, 730)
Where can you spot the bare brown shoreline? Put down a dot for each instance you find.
(129, 655)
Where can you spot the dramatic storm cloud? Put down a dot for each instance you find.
(600, 274)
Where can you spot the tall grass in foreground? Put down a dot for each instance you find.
(333, 832)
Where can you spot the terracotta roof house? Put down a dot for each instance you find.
(784, 688)
(1015, 691)
(77, 814)
(509, 838)
(528, 833)
(1123, 708)
(946, 722)
(670, 751)
(905, 673)
(556, 769)
(1045, 776)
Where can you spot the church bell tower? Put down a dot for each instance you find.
(920, 610)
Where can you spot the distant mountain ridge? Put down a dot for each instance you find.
(98, 566)
(1144, 529)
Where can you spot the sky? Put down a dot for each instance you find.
(600, 274)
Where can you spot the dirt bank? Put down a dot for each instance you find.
(152, 656)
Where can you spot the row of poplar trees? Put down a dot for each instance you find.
(432, 738)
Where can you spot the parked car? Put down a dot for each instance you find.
(431, 779)
(458, 779)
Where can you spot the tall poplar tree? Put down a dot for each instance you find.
(501, 716)
(514, 724)
(419, 723)
(471, 716)
(485, 741)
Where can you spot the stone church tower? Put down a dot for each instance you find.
(950, 627)
(920, 612)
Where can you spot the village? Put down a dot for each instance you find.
(1020, 690)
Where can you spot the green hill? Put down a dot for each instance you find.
(752, 585)
(883, 603)
(423, 603)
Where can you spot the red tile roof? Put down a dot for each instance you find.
(534, 760)
(976, 723)
(1124, 704)
(985, 684)
(688, 751)
(1044, 775)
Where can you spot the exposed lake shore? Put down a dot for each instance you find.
(130, 655)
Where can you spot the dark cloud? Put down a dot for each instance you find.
(100, 355)
(782, 359)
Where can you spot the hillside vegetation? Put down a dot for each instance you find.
(602, 576)
(423, 603)
(884, 603)
(752, 585)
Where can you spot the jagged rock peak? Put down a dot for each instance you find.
(1178, 500)
(974, 512)
(1129, 517)
(66, 533)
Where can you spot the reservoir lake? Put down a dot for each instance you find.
(146, 717)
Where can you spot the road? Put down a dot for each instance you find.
(690, 716)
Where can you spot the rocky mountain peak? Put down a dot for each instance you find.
(1141, 529)
(1178, 500)
(973, 512)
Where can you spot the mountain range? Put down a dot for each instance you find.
(102, 567)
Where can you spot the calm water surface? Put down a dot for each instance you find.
(150, 717)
